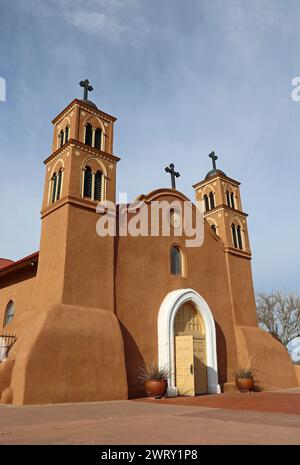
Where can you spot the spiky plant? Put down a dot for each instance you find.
(152, 372)
(244, 373)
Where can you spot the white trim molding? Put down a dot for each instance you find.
(166, 350)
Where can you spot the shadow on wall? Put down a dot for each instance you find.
(221, 355)
(18, 277)
(133, 360)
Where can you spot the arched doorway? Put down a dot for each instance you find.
(190, 351)
(168, 328)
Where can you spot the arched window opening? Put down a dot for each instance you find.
(228, 199)
(98, 136)
(88, 134)
(175, 261)
(239, 238)
(61, 138)
(59, 181)
(214, 228)
(67, 134)
(98, 186)
(54, 185)
(206, 201)
(88, 182)
(234, 236)
(212, 199)
(232, 200)
(9, 313)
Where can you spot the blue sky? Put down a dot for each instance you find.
(183, 78)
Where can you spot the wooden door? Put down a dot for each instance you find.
(199, 349)
(184, 355)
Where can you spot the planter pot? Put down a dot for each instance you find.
(244, 384)
(156, 388)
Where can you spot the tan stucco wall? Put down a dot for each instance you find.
(297, 371)
(271, 361)
(143, 280)
(66, 355)
(20, 288)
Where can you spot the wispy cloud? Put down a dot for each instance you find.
(97, 23)
(112, 20)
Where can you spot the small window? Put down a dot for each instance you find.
(88, 134)
(67, 134)
(228, 199)
(61, 138)
(54, 185)
(9, 313)
(206, 201)
(176, 261)
(98, 186)
(98, 136)
(212, 200)
(239, 238)
(232, 200)
(59, 180)
(234, 235)
(214, 228)
(88, 183)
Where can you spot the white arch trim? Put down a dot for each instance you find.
(166, 350)
(101, 165)
(93, 117)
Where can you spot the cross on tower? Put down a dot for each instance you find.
(87, 88)
(170, 169)
(214, 158)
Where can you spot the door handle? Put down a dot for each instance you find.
(192, 369)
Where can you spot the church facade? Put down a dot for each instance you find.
(85, 312)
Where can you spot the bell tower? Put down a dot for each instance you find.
(223, 209)
(82, 165)
(80, 173)
(224, 213)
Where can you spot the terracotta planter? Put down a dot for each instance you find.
(156, 388)
(244, 384)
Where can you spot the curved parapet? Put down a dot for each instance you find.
(270, 360)
(69, 354)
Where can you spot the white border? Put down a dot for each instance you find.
(166, 317)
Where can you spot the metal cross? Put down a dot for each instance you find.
(87, 88)
(170, 169)
(214, 158)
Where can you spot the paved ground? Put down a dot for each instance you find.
(279, 402)
(155, 422)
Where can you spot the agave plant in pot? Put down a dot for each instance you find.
(244, 379)
(155, 380)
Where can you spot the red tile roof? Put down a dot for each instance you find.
(5, 262)
(11, 266)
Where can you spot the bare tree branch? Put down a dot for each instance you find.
(279, 314)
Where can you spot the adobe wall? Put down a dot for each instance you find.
(20, 288)
(143, 279)
(242, 290)
(66, 354)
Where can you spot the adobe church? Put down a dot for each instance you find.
(81, 315)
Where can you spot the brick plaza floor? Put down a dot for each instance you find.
(259, 418)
